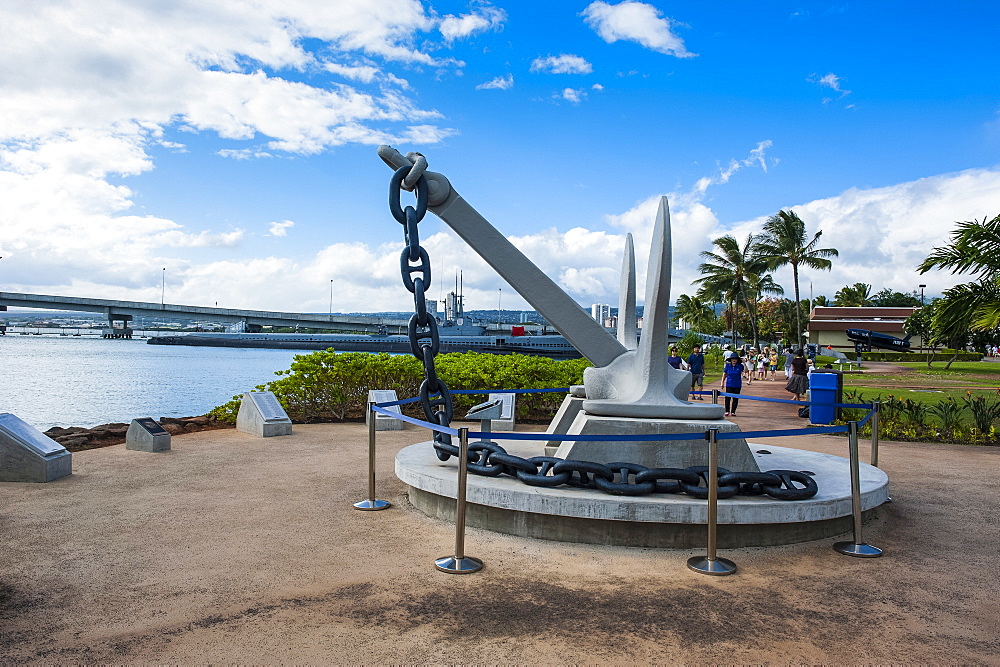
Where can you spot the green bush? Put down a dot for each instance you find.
(330, 386)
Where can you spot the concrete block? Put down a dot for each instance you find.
(734, 454)
(262, 415)
(384, 422)
(146, 435)
(28, 455)
(506, 421)
(571, 406)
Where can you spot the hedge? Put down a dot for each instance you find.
(920, 356)
(330, 386)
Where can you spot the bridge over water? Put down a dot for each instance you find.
(252, 320)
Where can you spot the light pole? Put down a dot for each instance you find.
(331, 298)
(921, 294)
(163, 285)
(499, 299)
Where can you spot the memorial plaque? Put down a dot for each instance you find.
(151, 426)
(146, 435)
(384, 422)
(29, 436)
(28, 455)
(262, 415)
(506, 420)
(270, 408)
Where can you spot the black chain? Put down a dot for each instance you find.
(492, 460)
(435, 398)
(630, 479)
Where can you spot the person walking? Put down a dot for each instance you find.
(732, 383)
(675, 359)
(696, 364)
(789, 355)
(798, 384)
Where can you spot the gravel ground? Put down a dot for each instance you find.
(232, 549)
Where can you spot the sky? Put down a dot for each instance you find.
(224, 152)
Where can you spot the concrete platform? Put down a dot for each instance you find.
(506, 505)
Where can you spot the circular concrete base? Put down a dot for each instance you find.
(505, 505)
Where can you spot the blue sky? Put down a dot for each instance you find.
(234, 143)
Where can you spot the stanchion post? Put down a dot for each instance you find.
(857, 547)
(371, 504)
(715, 396)
(460, 563)
(876, 407)
(710, 563)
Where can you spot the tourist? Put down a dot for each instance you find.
(788, 363)
(762, 362)
(732, 383)
(696, 364)
(773, 362)
(675, 359)
(750, 356)
(798, 384)
(726, 353)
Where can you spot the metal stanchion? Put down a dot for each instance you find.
(371, 504)
(715, 396)
(460, 563)
(710, 564)
(857, 547)
(876, 406)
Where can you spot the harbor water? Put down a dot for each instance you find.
(53, 380)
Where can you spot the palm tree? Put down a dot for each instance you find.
(694, 312)
(854, 296)
(727, 272)
(972, 250)
(784, 242)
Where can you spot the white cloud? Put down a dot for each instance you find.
(499, 83)
(884, 233)
(635, 22)
(280, 228)
(485, 18)
(831, 81)
(574, 95)
(564, 63)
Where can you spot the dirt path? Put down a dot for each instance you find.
(241, 550)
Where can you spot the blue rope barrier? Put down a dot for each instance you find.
(417, 422)
(731, 435)
(800, 403)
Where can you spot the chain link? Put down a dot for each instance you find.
(630, 479)
(422, 331)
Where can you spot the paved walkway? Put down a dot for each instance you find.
(232, 549)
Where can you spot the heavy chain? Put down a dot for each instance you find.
(435, 398)
(631, 479)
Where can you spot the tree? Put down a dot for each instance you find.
(972, 250)
(856, 295)
(783, 242)
(725, 274)
(697, 314)
(821, 301)
(888, 299)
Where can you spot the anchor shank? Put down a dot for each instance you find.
(572, 321)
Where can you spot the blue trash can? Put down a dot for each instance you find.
(824, 388)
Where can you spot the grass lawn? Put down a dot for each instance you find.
(930, 385)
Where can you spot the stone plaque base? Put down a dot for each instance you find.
(146, 436)
(261, 415)
(28, 455)
(734, 454)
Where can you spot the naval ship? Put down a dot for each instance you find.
(454, 338)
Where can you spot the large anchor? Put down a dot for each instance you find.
(634, 383)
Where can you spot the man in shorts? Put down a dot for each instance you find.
(696, 364)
